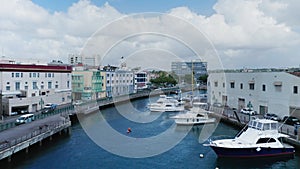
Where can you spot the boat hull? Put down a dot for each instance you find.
(252, 152)
(191, 122)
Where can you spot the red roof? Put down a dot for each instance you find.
(35, 68)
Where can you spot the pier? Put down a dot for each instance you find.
(23, 136)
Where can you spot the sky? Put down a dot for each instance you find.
(234, 33)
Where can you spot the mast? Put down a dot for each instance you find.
(192, 77)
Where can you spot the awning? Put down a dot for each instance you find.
(277, 83)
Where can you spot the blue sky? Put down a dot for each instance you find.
(203, 7)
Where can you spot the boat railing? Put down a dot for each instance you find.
(221, 137)
(240, 132)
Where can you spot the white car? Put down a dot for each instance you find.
(50, 106)
(248, 111)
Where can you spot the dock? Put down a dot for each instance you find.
(23, 136)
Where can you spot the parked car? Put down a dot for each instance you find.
(50, 106)
(23, 111)
(47, 110)
(13, 113)
(272, 116)
(217, 105)
(248, 111)
(27, 118)
(290, 120)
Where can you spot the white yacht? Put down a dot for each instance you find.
(197, 115)
(260, 139)
(166, 104)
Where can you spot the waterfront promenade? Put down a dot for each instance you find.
(23, 136)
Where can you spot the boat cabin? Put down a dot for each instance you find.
(263, 124)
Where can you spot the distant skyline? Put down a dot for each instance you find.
(245, 33)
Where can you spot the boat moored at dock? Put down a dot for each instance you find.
(260, 138)
(197, 115)
(166, 104)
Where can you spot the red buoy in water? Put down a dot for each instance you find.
(129, 130)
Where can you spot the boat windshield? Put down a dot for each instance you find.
(263, 126)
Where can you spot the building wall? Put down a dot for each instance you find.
(87, 84)
(273, 91)
(140, 80)
(185, 68)
(119, 82)
(23, 86)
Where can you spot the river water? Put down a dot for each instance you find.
(81, 150)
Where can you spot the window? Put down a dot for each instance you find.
(295, 90)
(7, 88)
(21, 74)
(26, 87)
(241, 85)
(263, 87)
(33, 74)
(29, 74)
(251, 86)
(34, 85)
(49, 74)
(42, 86)
(12, 74)
(49, 85)
(232, 85)
(216, 84)
(68, 84)
(265, 140)
(17, 87)
(223, 85)
(17, 74)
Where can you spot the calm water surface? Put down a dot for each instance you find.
(79, 151)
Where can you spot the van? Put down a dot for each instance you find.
(27, 118)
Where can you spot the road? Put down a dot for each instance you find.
(25, 129)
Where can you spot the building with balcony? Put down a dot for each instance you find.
(28, 87)
(272, 91)
(87, 84)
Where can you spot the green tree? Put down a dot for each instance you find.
(203, 78)
(163, 80)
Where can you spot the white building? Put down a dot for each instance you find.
(273, 92)
(118, 81)
(30, 87)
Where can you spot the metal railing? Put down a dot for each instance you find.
(39, 131)
(64, 110)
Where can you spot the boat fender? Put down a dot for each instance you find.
(201, 155)
(129, 130)
(258, 149)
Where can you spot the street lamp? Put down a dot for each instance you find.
(41, 103)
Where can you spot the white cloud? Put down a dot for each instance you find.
(251, 33)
